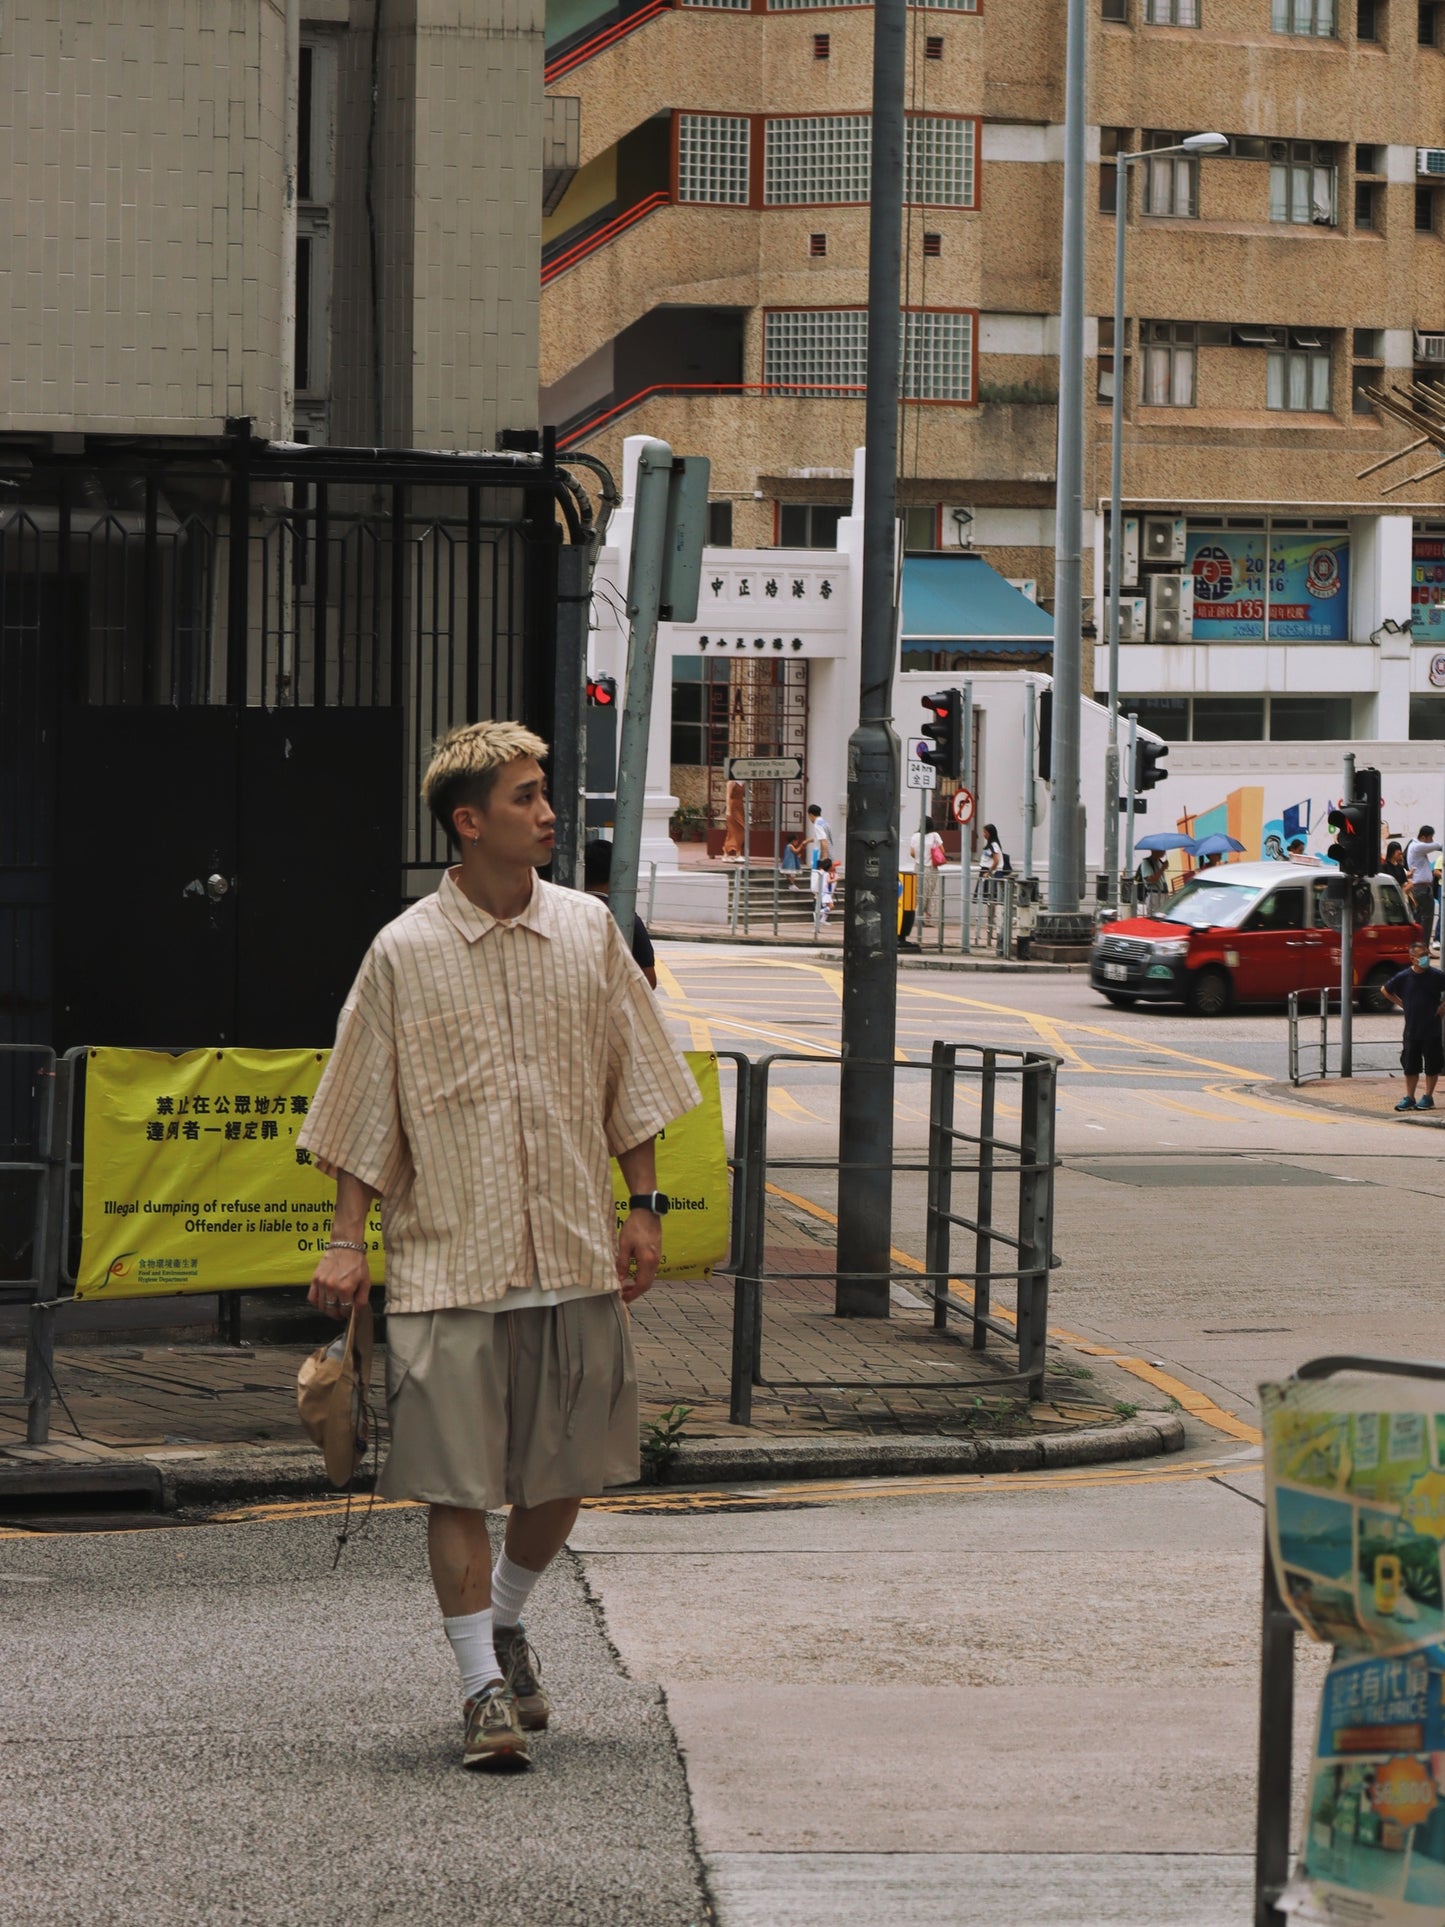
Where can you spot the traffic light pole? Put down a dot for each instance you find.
(870, 939)
(1347, 949)
(1129, 813)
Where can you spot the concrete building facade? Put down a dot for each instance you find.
(705, 271)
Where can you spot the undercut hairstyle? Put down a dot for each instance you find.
(465, 765)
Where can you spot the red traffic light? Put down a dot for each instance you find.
(602, 692)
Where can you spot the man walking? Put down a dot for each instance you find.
(497, 1045)
(1422, 878)
(1420, 993)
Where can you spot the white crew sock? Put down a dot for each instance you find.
(511, 1584)
(471, 1637)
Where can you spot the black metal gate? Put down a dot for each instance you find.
(222, 663)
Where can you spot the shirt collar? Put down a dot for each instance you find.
(473, 923)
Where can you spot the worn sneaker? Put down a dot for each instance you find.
(495, 1742)
(519, 1663)
(1406, 1104)
(1424, 1103)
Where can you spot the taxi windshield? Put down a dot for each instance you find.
(1202, 902)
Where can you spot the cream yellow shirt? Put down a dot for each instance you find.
(484, 1073)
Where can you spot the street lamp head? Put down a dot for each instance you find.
(1204, 143)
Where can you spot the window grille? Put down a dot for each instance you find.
(1301, 183)
(933, 46)
(938, 162)
(817, 158)
(828, 348)
(1311, 17)
(1171, 13)
(712, 158)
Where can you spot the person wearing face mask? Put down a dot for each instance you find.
(1420, 993)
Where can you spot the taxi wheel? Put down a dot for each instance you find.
(1210, 993)
(1121, 999)
(1372, 991)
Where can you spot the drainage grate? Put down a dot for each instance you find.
(1221, 1174)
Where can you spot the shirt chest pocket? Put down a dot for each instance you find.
(450, 1063)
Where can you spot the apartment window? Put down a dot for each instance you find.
(689, 712)
(1112, 141)
(1297, 375)
(1424, 210)
(720, 525)
(1171, 185)
(712, 158)
(828, 348)
(1302, 183)
(1367, 206)
(1367, 20)
(1171, 350)
(1427, 24)
(1171, 13)
(1369, 160)
(920, 526)
(808, 525)
(1309, 17)
(1310, 719)
(1114, 10)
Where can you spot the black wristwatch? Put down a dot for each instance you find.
(656, 1201)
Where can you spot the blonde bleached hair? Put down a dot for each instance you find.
(466, 763)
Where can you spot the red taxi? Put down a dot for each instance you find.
(1250, 933)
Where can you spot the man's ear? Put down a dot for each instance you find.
(467, 822)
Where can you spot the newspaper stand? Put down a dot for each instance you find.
(1276, 1681)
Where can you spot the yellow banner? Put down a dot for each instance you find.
(192, 1179)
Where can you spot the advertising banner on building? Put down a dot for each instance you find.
(1355, 1481)
(1290, 585)
(1427, 589)
(192, 1179)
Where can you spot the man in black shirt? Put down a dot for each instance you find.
(596, 877)
(1420, 993)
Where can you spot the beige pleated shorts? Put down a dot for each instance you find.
(493, 1408)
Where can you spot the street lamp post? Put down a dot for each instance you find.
(1193, 144)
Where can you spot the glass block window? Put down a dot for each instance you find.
(712, 158)
(737, 6)
(949, 6)
(822, 347)
(938, 161)
(938, 357)
(828, 348)
(805, 6)
(817, 158)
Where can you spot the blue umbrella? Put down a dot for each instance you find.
(1168, 840)
(1217, 845)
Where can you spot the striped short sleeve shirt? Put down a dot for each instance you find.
(484, 1073)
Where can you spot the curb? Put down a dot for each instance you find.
(249, 1473)
(1296, 1092)
(907, 959)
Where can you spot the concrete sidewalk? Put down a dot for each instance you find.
(860, 1380)
(1373, 1093)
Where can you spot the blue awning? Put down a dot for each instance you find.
(958, 601)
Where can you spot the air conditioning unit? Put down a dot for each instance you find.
(1133, 614)
(1129, 572)
(1164, 538)
(1430, 162)
(1429, 347)
(1171, 608)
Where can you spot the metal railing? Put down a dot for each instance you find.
(43, 1174)
(1026, 1164)
(1309, 1012)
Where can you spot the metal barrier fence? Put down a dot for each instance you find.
(35, 1164)
(1026, 1164)
(1310, 1007)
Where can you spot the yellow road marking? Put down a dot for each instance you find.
(1177, 1104)
(673, 993)
(785, 1105)
(739, 1024)
(1298, 1113)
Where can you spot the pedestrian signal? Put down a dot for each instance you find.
(1149, 772)
(602, 692)
(945, 732)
